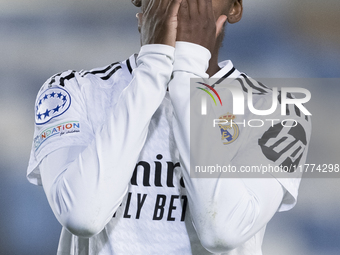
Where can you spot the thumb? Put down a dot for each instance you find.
(219, 24)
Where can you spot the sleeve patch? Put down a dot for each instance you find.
(283, 145)
(60, 129)
(51, 103)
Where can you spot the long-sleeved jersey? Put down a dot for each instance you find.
(112, 151)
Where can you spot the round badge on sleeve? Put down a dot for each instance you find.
(52, 103)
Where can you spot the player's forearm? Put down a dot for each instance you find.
(85, 195)
(126, 128)
(191, 61)
(225, 212)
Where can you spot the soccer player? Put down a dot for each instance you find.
(112, 146)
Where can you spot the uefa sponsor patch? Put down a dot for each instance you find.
(60, 129)
(52, 103)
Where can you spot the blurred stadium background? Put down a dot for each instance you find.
(278, 39)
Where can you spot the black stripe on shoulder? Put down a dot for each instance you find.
(67, 75)
(53, 78)
(129, 65)
(297, 111)
(289, 95)
(260, 90)
(262, 85)
(279, 97)
(111, 73)
(287, 106)
(100, 71)
(242, 84)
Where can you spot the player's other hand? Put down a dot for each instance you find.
(197, 23)
(158, 22)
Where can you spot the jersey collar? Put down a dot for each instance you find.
(131, 62)
(227, 71)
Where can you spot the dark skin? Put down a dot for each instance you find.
(197, 21)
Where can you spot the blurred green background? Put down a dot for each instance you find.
(277, 39)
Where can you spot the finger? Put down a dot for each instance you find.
(183, 17)
(202, 6)
(208, 7)
(174, 8)
(183, 11)
(164, 4)
(220, 24)
(152, 6)
(193, 8)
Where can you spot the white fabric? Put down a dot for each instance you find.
(127, 121)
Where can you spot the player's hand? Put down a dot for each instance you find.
(158, 22)
(197, 23)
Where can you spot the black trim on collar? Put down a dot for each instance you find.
(224, 77)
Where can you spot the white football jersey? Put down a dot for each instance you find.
(153, 217)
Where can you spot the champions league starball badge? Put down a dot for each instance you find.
(229, 131)
(52, 103)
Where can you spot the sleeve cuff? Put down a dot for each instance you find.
(192, 58)
(160, 49)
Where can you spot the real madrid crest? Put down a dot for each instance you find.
(229, 130)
